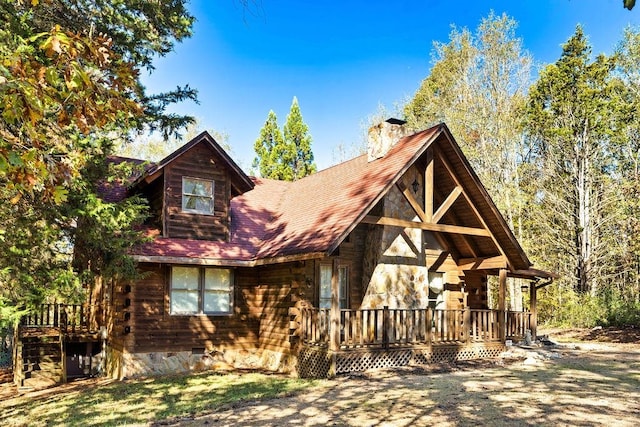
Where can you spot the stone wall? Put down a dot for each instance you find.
(399, 277)
(127, 365)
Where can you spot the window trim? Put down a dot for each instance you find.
(212, 198)
(201, 292)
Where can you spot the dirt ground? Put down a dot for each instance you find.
(591, 377)
(593, 382)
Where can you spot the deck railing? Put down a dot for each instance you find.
(518, 323)
(387, 327)
(69, 318)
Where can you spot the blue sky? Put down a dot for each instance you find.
(344, 59)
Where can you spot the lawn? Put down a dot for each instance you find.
(135, 402)
(591, 378)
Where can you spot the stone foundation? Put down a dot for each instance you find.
(127, 365)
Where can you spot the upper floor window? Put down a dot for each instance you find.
(197, 195)
(196, 290)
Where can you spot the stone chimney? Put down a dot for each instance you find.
(383, 136)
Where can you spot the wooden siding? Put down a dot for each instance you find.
(280, 287)
(351, 255)
(153, 328)
(154, 194)
(476, 288)
(260, 319)
(199, 162)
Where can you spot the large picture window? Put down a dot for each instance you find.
(200, 290)
(197, 195)
(325, 286)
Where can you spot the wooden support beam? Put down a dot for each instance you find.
(334, 318)
(482, 263)
(533, 308)
(412, 201)
(502, 294)
(441, 228)
(429, 186)
(446, 205)
(452, 174)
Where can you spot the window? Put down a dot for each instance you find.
(197, 195)
(196, 290)
(325, 286)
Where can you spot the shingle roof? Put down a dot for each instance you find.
(314, 214)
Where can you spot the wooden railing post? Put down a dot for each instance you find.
(466, 324)
(502, 292)
(385, 326)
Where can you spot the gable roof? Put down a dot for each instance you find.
(240, 182)
(312, 216)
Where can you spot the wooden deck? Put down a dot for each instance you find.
(378, 338)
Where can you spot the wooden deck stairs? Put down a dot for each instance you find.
(39, 358)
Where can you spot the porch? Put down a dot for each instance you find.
(55, 342)
(391, 337)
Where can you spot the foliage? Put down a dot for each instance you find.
(570, 117)
(298, 142)
(269, 148)
(151, 400)
(285, 156)
(70, 86)
(477, 85)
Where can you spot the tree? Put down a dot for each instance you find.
(154, 147)
(571, 119)
(628, 4)
(298, 142)
(285, 157)
(270, 149)
(70, 69)
(69, 85)
(478, 85)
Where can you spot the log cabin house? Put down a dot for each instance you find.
(380, 261)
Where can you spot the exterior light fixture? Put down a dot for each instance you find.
(415, 185)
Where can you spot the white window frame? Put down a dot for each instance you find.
(203, 291)
(186, 196)
(324, 298)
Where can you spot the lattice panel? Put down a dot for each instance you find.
(452, 353)
(361, 361)
(316, 362)
(313, 363)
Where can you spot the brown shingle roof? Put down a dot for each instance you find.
(314, 214)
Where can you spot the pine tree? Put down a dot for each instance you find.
(270, 149)
(298, 143)
(570, 117)
(285, 157)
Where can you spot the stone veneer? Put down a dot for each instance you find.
(395, 261)
(126, 365)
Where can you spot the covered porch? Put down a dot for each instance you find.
(334, 341)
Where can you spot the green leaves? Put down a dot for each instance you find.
(285, 157)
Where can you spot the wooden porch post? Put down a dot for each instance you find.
(533, 307)
(334, 318)
(502, 293)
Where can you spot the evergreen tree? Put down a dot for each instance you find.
(270, 149)
(284, 157)
(70, 85)
(571, 116)
(298, 143)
